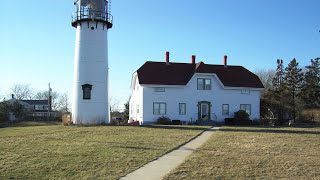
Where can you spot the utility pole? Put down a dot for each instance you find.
(49, 99)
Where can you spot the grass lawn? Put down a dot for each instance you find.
(255, 153)
(102, 152)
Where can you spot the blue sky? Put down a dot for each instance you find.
(37, 40)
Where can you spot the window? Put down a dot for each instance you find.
(159, 108)
(137, 108)
(38, 107)
(246, 107)
(86, 88)
(225, 109)
(207, 84)
(131, 109)
(159, 89)
(182, 108)
(245, 91)
(204, 84)
(200, 84)
(46, 107)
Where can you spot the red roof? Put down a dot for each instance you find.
(180, 73)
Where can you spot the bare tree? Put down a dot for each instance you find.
(1, 95)
(114, 104)
(22, 91)
(266, 77)
(44, 95)
(63, 103)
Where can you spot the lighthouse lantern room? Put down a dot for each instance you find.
(90, 104)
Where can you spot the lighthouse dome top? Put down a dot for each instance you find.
(92, 10)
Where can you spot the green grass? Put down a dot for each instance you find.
(36, 123)
(255, 153)
(101, 152)
(30, 123)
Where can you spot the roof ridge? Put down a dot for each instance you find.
(169, 62)
(198, 64)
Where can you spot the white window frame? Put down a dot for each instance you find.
(204, 87)
(182, 106)
(246, 107)
(38, 107)
(159, 107)
(137, 106)
(131, 109)
(223, 112)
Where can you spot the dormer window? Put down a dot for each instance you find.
(204, 84)
(86, 88)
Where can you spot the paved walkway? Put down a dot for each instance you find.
(163, 165)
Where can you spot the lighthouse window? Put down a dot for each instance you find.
(86, 88)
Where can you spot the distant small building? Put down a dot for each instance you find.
(37, 107)
(34, 108)
(192, 92)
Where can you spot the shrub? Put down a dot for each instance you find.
(163, 120)
(18, 110)
(4, 111)
(103, 123)
(241, 118)
(114, 122)
(66, 120)
(3, 117)
(229, 121)
(256, 122)
(176, 122)
(310, 116)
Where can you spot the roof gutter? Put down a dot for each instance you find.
(160, 85)
(241, 88)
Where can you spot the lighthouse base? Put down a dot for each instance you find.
(90, 114)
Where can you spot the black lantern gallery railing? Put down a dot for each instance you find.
(87, 13)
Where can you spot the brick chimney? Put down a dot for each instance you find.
(167, 57)
(225, 60)
(193, 59)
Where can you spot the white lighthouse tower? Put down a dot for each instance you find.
(90, 85)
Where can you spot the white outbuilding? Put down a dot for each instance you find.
(192, 92)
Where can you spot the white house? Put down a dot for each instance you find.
(193, 91)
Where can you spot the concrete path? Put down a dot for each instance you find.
(163, 165)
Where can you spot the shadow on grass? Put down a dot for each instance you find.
(177, 127)
(134, 147)
(29, 123)
(269, 130)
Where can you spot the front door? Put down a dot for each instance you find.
(204, 112)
